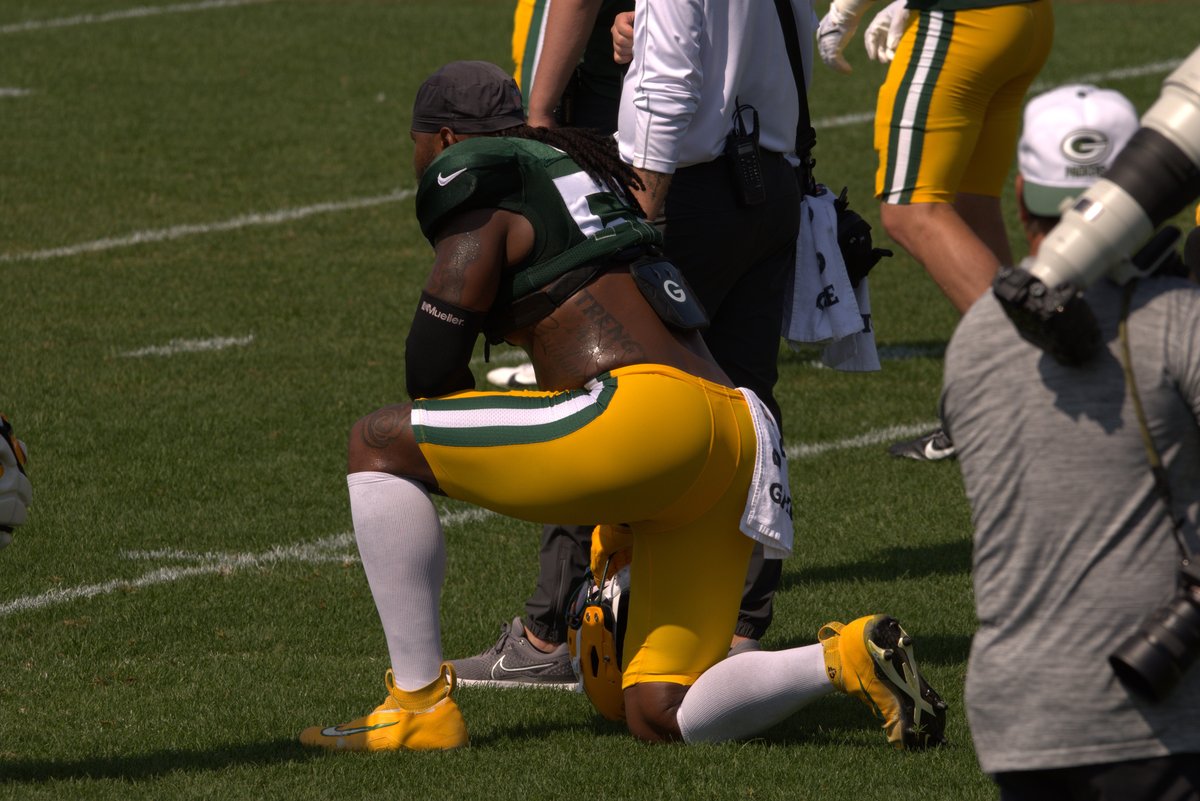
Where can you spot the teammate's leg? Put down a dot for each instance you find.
(946, 128)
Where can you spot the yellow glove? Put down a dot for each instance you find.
(612, 549)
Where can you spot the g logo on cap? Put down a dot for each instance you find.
(1085, 146)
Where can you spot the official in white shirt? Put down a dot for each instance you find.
(692, 64)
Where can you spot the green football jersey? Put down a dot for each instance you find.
(576, 220)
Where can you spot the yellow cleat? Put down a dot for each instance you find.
(872, 659)
(427, 719)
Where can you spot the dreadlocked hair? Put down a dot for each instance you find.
(595, 152)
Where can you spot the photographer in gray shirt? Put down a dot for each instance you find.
(1074, 546)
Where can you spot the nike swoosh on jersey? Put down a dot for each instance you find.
(338, 731)
(445, 179)
(499, 666)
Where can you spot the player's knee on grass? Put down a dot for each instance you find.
(650, 711)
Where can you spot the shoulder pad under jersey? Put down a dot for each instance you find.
(474, 174)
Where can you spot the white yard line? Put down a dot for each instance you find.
(189, 346)
(211, 564)
(181, 231)
(877, 437)
(337, 549)
(67, 594)
(1119, 74)
(130, 13)
(13, 91)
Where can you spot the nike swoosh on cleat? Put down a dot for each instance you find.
(875, 710)
(504, 669)
(933, 453)
(445, 179)
(338, 731)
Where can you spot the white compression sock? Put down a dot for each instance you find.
(746, 694)
(404, 555)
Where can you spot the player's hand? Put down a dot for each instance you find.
(835, 31)
(883, 34)
(622, 36)
(16, 493)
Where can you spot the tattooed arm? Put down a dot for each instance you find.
(470, 254)
(654, 192)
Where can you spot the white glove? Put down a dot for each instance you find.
(16, 493)
(884, 32)
(836, 30)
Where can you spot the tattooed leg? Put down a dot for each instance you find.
(383, 442)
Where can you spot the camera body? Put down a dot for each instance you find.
(1056, 319)
(1151, 661)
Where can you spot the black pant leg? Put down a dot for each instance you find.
(758, 597)
(736, 260)
(562, 561)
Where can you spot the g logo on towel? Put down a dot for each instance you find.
(780, 496)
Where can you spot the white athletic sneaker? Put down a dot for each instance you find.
(932, 447)
(521, 377)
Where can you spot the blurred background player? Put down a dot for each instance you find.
(946, 125)
(16, 494)
(1074, 545)
(565, 66)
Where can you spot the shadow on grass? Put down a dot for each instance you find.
(504, 735)
(918, 349)
(943, 558)
(834, 721)
(154, 763)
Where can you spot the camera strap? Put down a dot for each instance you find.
(1157, 469)
(806, 135)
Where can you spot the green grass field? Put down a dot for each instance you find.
(208, 262)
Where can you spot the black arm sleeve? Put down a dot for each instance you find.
(438, 348)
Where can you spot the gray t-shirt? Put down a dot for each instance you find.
(1073, 546)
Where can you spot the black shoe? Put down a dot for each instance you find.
(931, 447)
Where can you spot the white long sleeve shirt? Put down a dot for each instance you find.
(693, 62)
